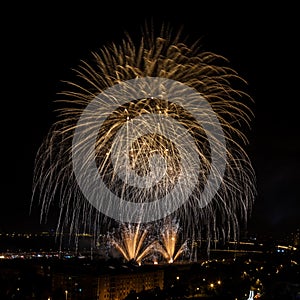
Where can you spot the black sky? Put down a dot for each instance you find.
(41, 44)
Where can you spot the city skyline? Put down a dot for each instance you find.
(46, 48)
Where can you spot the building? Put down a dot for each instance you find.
(103, 282)
(118, 285)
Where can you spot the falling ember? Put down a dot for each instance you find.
(149, 130)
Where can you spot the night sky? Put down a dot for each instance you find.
(41, 44)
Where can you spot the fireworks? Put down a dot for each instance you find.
(167, 245)
(148, 131)
(137, 242)
(132, 241)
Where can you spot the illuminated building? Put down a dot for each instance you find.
(105, 282)
(118, 286)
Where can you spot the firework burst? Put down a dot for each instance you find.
(146, 131)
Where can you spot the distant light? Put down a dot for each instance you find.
(177, 277)
(251, 295)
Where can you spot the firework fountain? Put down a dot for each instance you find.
(148, 131)
(167, 244)
(132, 241)
(137, 242)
